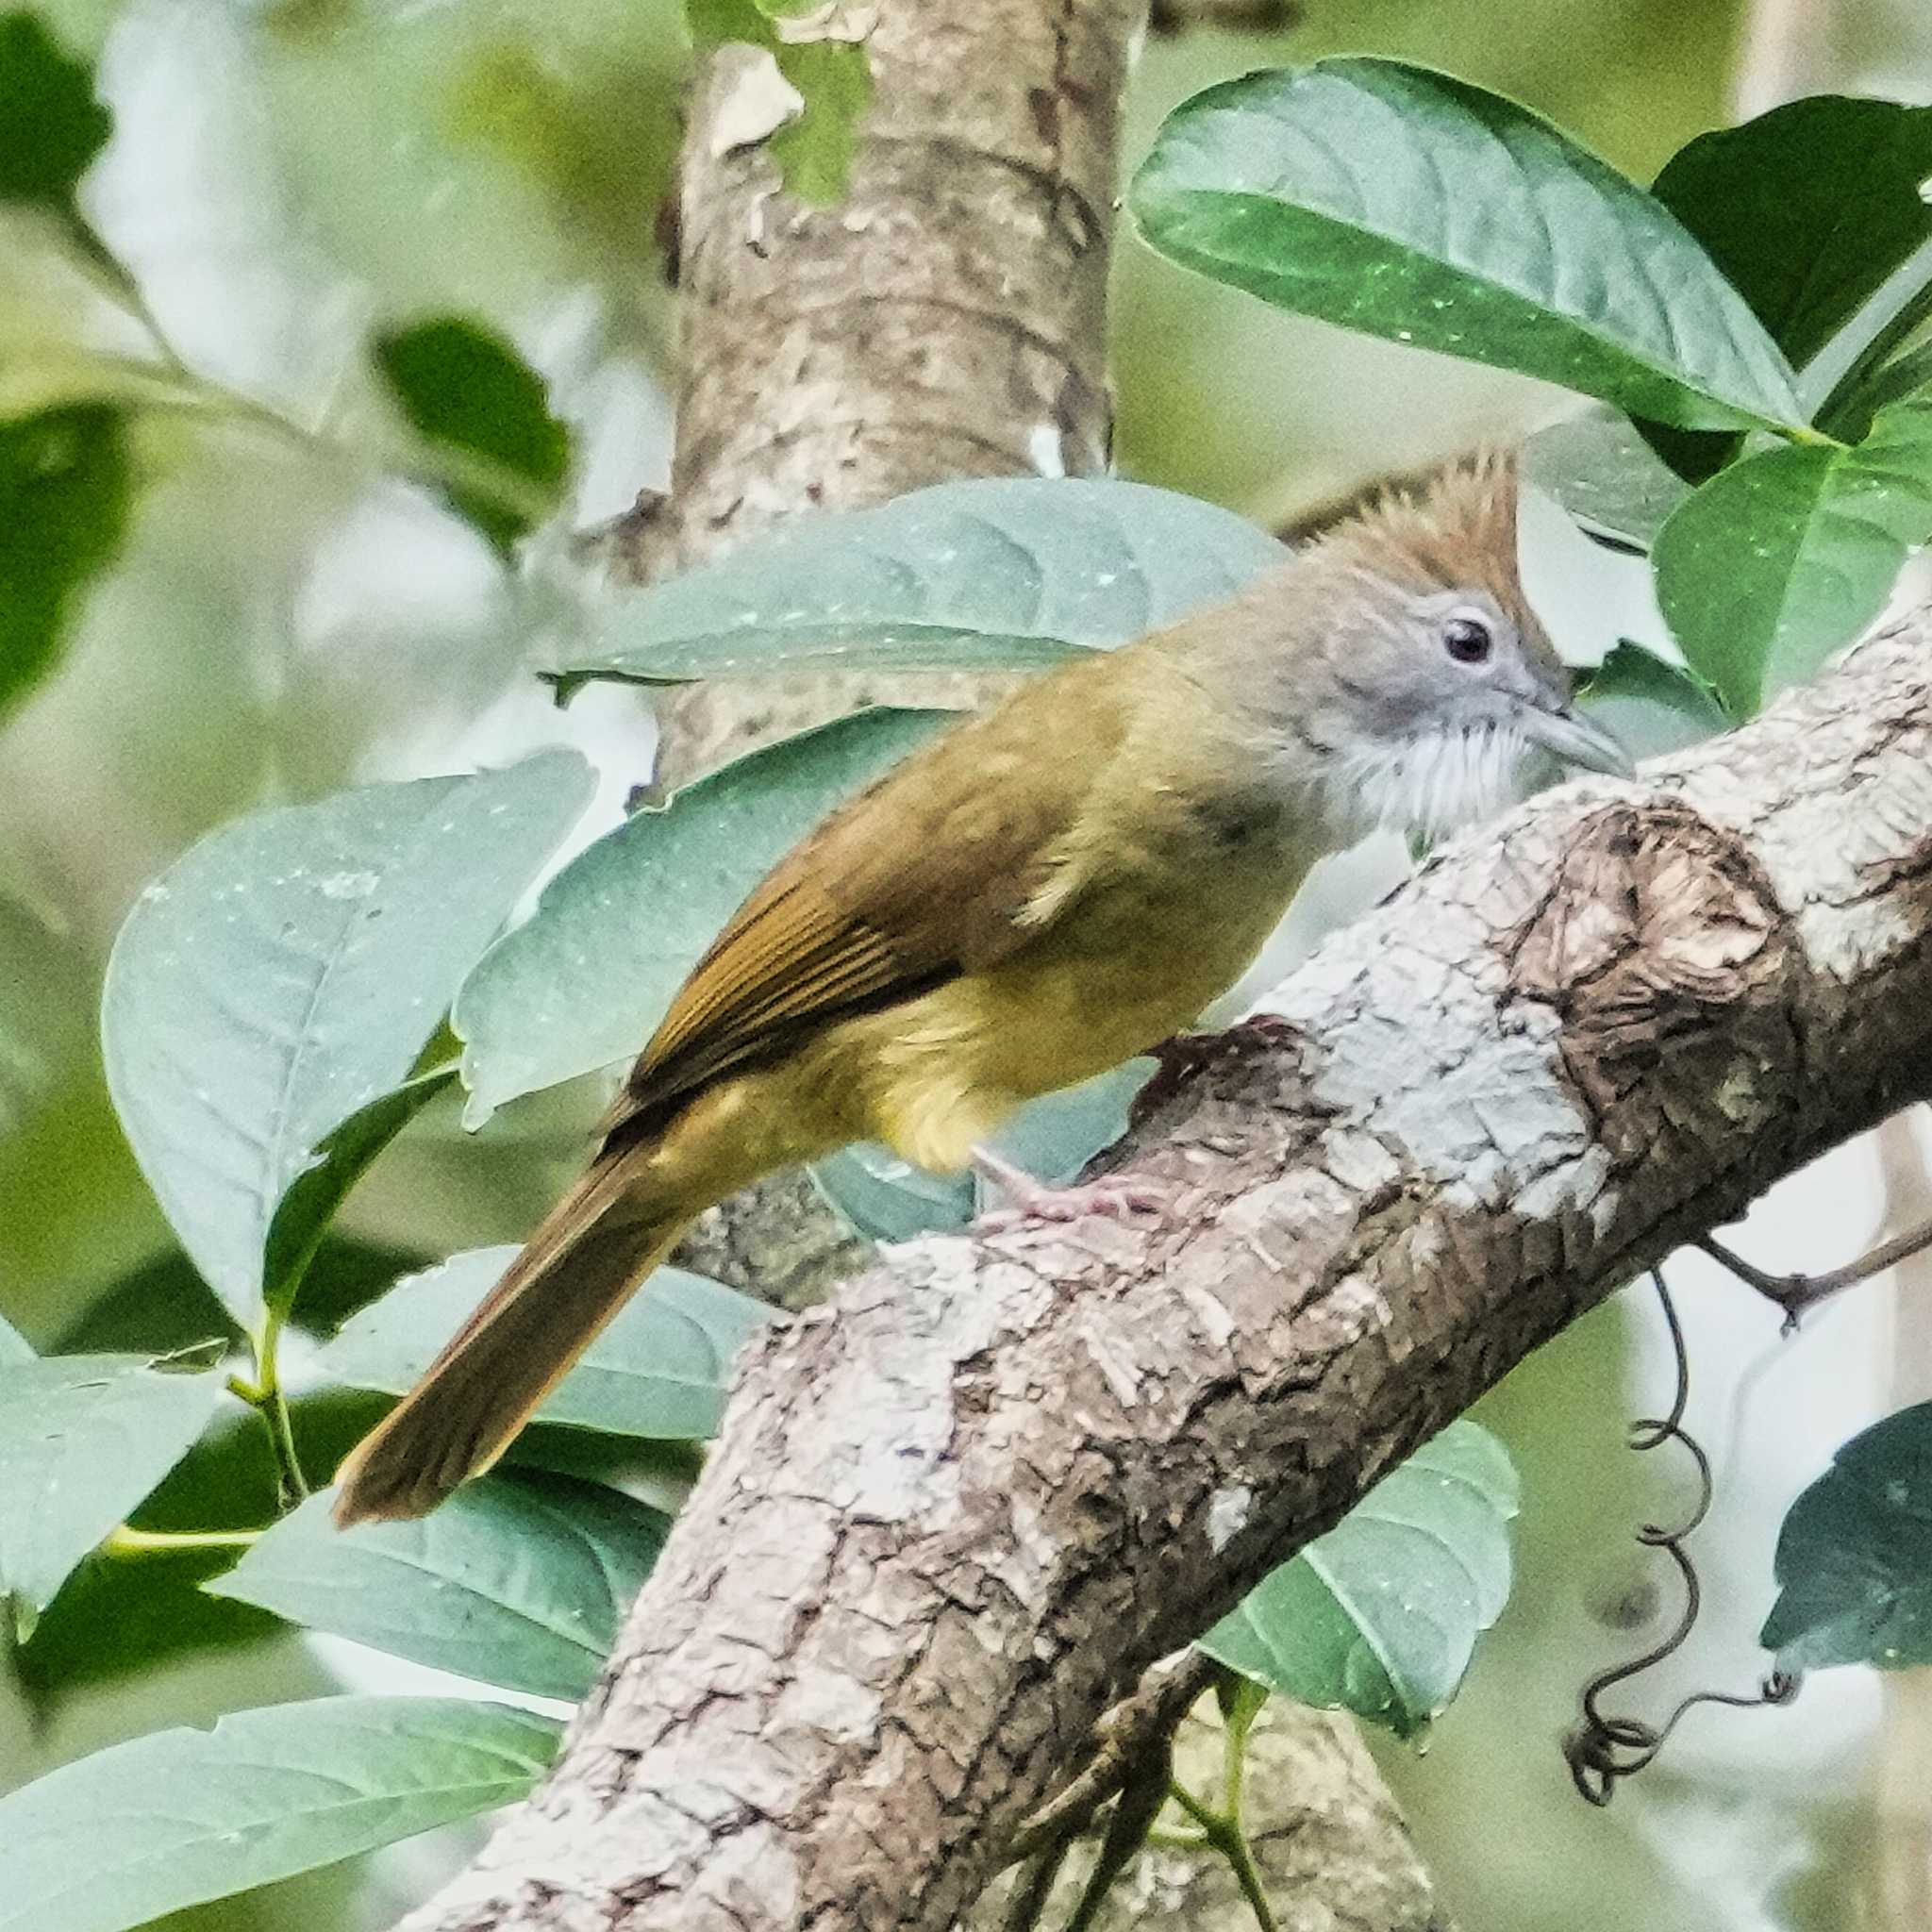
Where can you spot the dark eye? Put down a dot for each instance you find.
(1467, 639)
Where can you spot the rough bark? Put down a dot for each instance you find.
(955, 1512)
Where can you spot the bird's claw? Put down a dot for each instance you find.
(1113, 1196)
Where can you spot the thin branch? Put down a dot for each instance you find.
(1797, 1294)
(1167, 1694)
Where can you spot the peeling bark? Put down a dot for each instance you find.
(956, 1512)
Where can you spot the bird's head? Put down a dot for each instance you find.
(1427, 682)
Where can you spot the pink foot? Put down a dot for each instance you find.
(1113, 1196)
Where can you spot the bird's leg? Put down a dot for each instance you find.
(1116, 1195)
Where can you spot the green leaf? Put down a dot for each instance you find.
(1789, 554)
(1598, 466)
(521, 1580)
(660, 1369)
(1652, 707)
(163, 1822)
(1416, 208)
(1855, 1554)
(1381, 1615)
(82, 1440)
(1012, 574)
(1807, 209)
(544, 1004)
(286, 974)
(51, 127)
(65, 492)
(466, 389)
(342, 1157)
(1884, 384)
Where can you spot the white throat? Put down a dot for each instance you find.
(1432, 783)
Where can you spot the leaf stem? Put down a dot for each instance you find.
(129, 1541)
(1223, 1831)
(171, 386)
(265, 1396)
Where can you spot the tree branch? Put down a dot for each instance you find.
(955, 1514)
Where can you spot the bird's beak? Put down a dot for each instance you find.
(1577, 741)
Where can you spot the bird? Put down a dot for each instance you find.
(1041, 891)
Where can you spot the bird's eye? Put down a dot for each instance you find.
(1467, 639)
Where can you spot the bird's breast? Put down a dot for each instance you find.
(1168, 924)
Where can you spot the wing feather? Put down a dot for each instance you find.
(927, 874)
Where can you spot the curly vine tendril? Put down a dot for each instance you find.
(1601, 1751)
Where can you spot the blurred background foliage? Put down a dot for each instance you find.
(283, 179)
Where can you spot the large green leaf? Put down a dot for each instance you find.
(51, 127)
(1855, 1556)
(660, 1369)
(1789, 554)
(521, 1580)
(998, 574)
(466, 388)
(1381, 1615)
(1650, 707)
(1809, 208)
(65, 492)
(163, 1822)
(1598, 466)
(586, 980)
(288, 972)
(83, 1438)
(1417, 208)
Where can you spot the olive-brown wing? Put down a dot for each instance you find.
(921, 877)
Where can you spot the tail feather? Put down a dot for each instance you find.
(576, 1272)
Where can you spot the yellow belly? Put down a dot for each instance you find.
(938, 1074)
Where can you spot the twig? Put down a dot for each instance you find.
(1142, 1799)
(1796, 1295)
(1030, 1896)
(1223, 1830)
(1165, 1696)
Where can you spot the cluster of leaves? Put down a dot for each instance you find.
(465, 415)
(276, 1003)
(1748, 323)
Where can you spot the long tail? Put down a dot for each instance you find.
(575, 1272)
